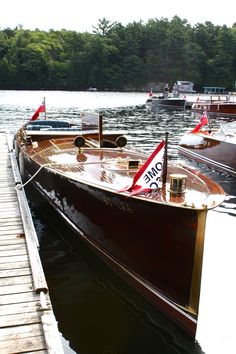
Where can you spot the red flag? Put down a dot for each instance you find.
(148, 177)
(203, 121)
(39, 110)
(204, 118)
(150, 93)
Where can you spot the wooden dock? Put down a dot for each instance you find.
(27, 322)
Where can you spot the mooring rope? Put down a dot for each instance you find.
(20, 186)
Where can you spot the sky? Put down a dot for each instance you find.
(82, 15)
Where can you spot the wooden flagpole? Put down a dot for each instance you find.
(44, 102)
(164, 175)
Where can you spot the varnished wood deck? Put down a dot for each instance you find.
(27, 322)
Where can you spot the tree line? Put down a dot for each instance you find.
(117, 57)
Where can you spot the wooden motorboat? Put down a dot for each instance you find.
(154, 238)
(166, 100)
(155, 103)
(214, 147)
(219, 105)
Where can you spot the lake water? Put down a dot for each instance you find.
(96, 311)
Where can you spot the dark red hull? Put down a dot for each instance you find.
(155, 241)
(171, 253)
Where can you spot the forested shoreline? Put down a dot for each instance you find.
(119, 58)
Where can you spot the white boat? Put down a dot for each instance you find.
(184, 87)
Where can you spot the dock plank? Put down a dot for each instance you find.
(21, 258)
(19, 248)
(24, 307)
(7, 273)
(16, 280)
(9, 222)
(10, 229)
(11, 241)
(8, 334)
(19, 320)
(23, 344)
(16, 289)
(15, 265)
(18, 298)
(13, 252)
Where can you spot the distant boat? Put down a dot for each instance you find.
(92, 89)
(142, 215)
(214, 147)
(219, 105)
(184, 87)
(156, 103)
(166, 100)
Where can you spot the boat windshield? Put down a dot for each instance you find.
(226, 129)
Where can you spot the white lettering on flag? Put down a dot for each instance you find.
(148, 176)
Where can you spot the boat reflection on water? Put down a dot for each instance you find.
(97, 312)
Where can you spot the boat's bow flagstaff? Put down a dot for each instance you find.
(149, 229)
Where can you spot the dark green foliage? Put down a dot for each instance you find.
(117, 57)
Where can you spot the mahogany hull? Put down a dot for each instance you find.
(154, 240)
(148, 251)
(218, 108)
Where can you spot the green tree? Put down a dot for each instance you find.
(104, 27)
(220, 68)
(117, 57)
